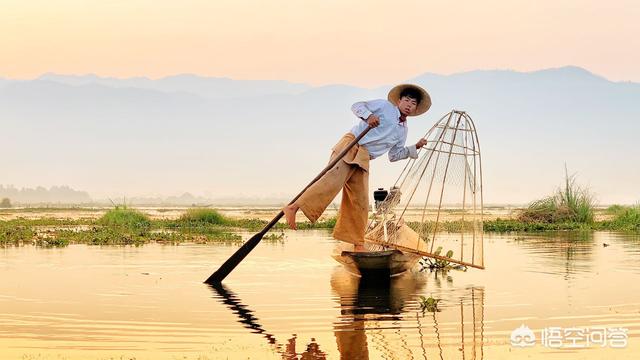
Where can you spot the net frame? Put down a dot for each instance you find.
(450, 157)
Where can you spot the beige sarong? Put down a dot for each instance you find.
(351, 174)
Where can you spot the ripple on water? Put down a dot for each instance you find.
(289, 299)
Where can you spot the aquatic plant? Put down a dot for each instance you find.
(274, 238)
(513, 225)
(13, 234)
(204, 215)
(570, 203)
(249, 224)
(52, 242)
(425, 229)
(124, 217)
(328, 223)
(429, 304)
(627, 218)
(440, 264)
(614, 209)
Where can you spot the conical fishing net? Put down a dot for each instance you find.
(434, 208)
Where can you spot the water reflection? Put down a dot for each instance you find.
(384, 320)
(564, 253)
(291, 302)
(245, 315)
(385, 316)
(247, 318)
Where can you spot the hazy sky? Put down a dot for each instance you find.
(359, 42)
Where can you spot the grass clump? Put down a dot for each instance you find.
(204, 216)
(626, 218)
(570, 203)
(205, 225)
(123, 217)
(615, 209)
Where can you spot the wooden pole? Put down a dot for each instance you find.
(246, 248)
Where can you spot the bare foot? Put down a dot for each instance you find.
(290, 214)
(359, 248)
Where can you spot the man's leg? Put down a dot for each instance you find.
(317, 197)
(354, 209)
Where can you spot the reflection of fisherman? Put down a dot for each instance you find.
(361, 301)
(312, 352)
(388, 117)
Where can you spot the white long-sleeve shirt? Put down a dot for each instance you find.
(390, 135)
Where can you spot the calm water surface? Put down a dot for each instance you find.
(292, 301)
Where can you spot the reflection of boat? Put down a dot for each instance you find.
(368, 295)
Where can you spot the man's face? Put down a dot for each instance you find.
(407, 105)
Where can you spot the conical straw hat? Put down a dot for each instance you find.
(423, 106)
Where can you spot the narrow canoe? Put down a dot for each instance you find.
(385, 263)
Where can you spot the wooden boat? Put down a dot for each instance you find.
(377, 264)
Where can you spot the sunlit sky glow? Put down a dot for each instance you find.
(358, 42)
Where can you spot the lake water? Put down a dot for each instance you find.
(290, 300)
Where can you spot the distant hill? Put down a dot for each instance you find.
(217, 88)
(52, 195)
(249, 139)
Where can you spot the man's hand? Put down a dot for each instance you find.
(373, 121)
(421, 143)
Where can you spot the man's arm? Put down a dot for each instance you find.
(364, 109)
(399, 152)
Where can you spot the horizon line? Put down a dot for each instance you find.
(144, 77)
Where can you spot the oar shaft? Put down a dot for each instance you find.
(246, 248)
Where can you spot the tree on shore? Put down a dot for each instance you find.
(5, 203)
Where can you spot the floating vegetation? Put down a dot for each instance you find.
(123, 225)
(51, 242)
(328, 223)
(429, 304)
(274, 238)
(440, 264)
(15, 234)
(118, 226)
(512, 225)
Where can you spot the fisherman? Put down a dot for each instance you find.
(388, 118)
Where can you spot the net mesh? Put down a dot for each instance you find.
(435, 206)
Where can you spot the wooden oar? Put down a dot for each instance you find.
(246, 248)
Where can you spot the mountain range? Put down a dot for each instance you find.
(224, 138)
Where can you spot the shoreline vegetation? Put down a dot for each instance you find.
(570, 207)
(122, 225)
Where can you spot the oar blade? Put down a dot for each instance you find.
(235, 259)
